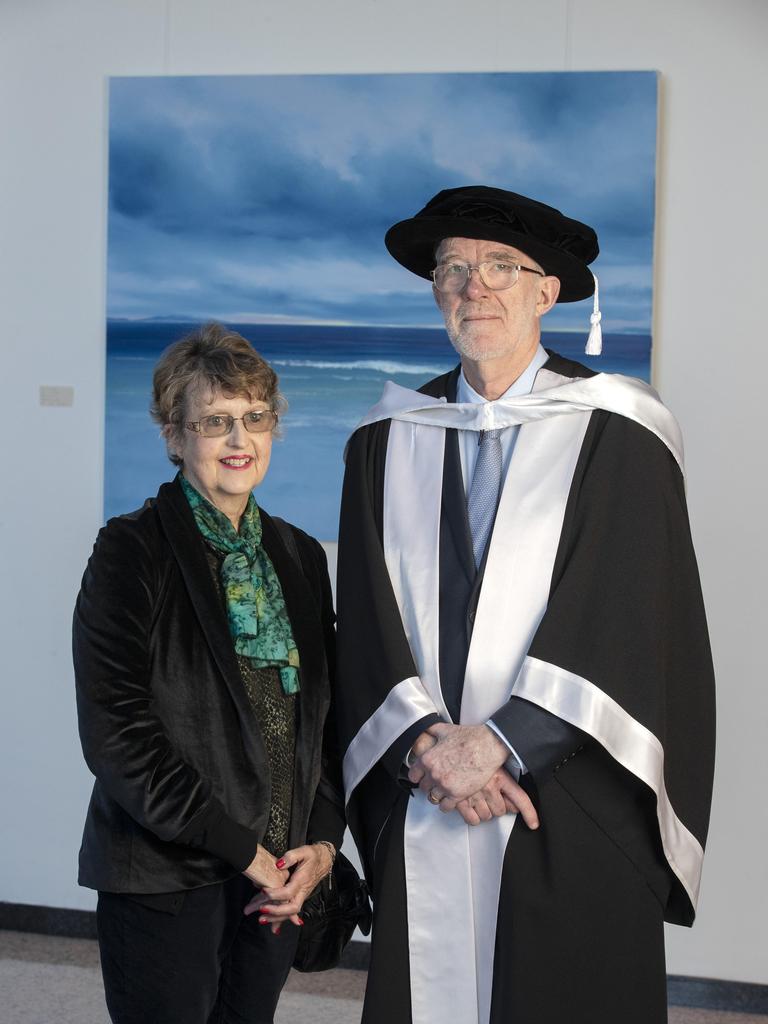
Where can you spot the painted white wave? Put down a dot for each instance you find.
(336, 422)
(379, 365)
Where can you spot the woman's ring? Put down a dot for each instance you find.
(433, 799)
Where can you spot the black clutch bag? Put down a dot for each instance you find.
(337, 906)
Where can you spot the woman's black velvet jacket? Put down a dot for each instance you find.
(182, 789)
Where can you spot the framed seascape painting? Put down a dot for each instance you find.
(262, 202)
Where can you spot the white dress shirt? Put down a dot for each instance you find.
(469, 439)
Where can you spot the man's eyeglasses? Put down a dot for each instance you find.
(220, 424)
(495, 274)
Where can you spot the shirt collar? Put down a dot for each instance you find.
(522, 386)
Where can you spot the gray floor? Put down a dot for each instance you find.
(49, 980)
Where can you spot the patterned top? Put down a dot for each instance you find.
(276, 714)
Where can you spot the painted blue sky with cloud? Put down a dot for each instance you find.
(266, 198)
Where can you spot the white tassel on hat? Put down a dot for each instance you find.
(595, 339)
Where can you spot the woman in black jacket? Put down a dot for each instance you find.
(203, 639)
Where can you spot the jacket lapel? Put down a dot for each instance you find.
(305, 615)
(188, 549)
(299, 599)
(454, 508)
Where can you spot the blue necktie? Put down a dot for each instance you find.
(484, 492)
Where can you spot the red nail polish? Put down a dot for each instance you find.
(300, 921)
(281, 862)
(263, 920)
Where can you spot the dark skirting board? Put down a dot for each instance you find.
(701, 993)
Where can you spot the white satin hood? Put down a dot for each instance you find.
(612, 392)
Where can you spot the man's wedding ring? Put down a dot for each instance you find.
(433, 798)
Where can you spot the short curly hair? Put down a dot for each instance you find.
(210, 356)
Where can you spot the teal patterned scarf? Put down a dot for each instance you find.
(258, 618)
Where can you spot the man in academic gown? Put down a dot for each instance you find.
(525, 691)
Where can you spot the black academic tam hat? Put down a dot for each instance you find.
(562, 246)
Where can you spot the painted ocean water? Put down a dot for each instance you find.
(330, 376)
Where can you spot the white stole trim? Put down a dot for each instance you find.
(580, 702)
(413, 487)
(521, 557)
(452, 878)
(453, 871)
(415, 588)
(405, 704)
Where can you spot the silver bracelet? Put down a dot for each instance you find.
(332, 850)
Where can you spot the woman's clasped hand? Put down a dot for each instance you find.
(302, 870)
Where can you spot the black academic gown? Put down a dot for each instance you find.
(579, 933)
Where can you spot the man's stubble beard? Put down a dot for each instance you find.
(477, 351)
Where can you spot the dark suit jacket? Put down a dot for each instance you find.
(182, 789)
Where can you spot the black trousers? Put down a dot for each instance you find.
(191, 958)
